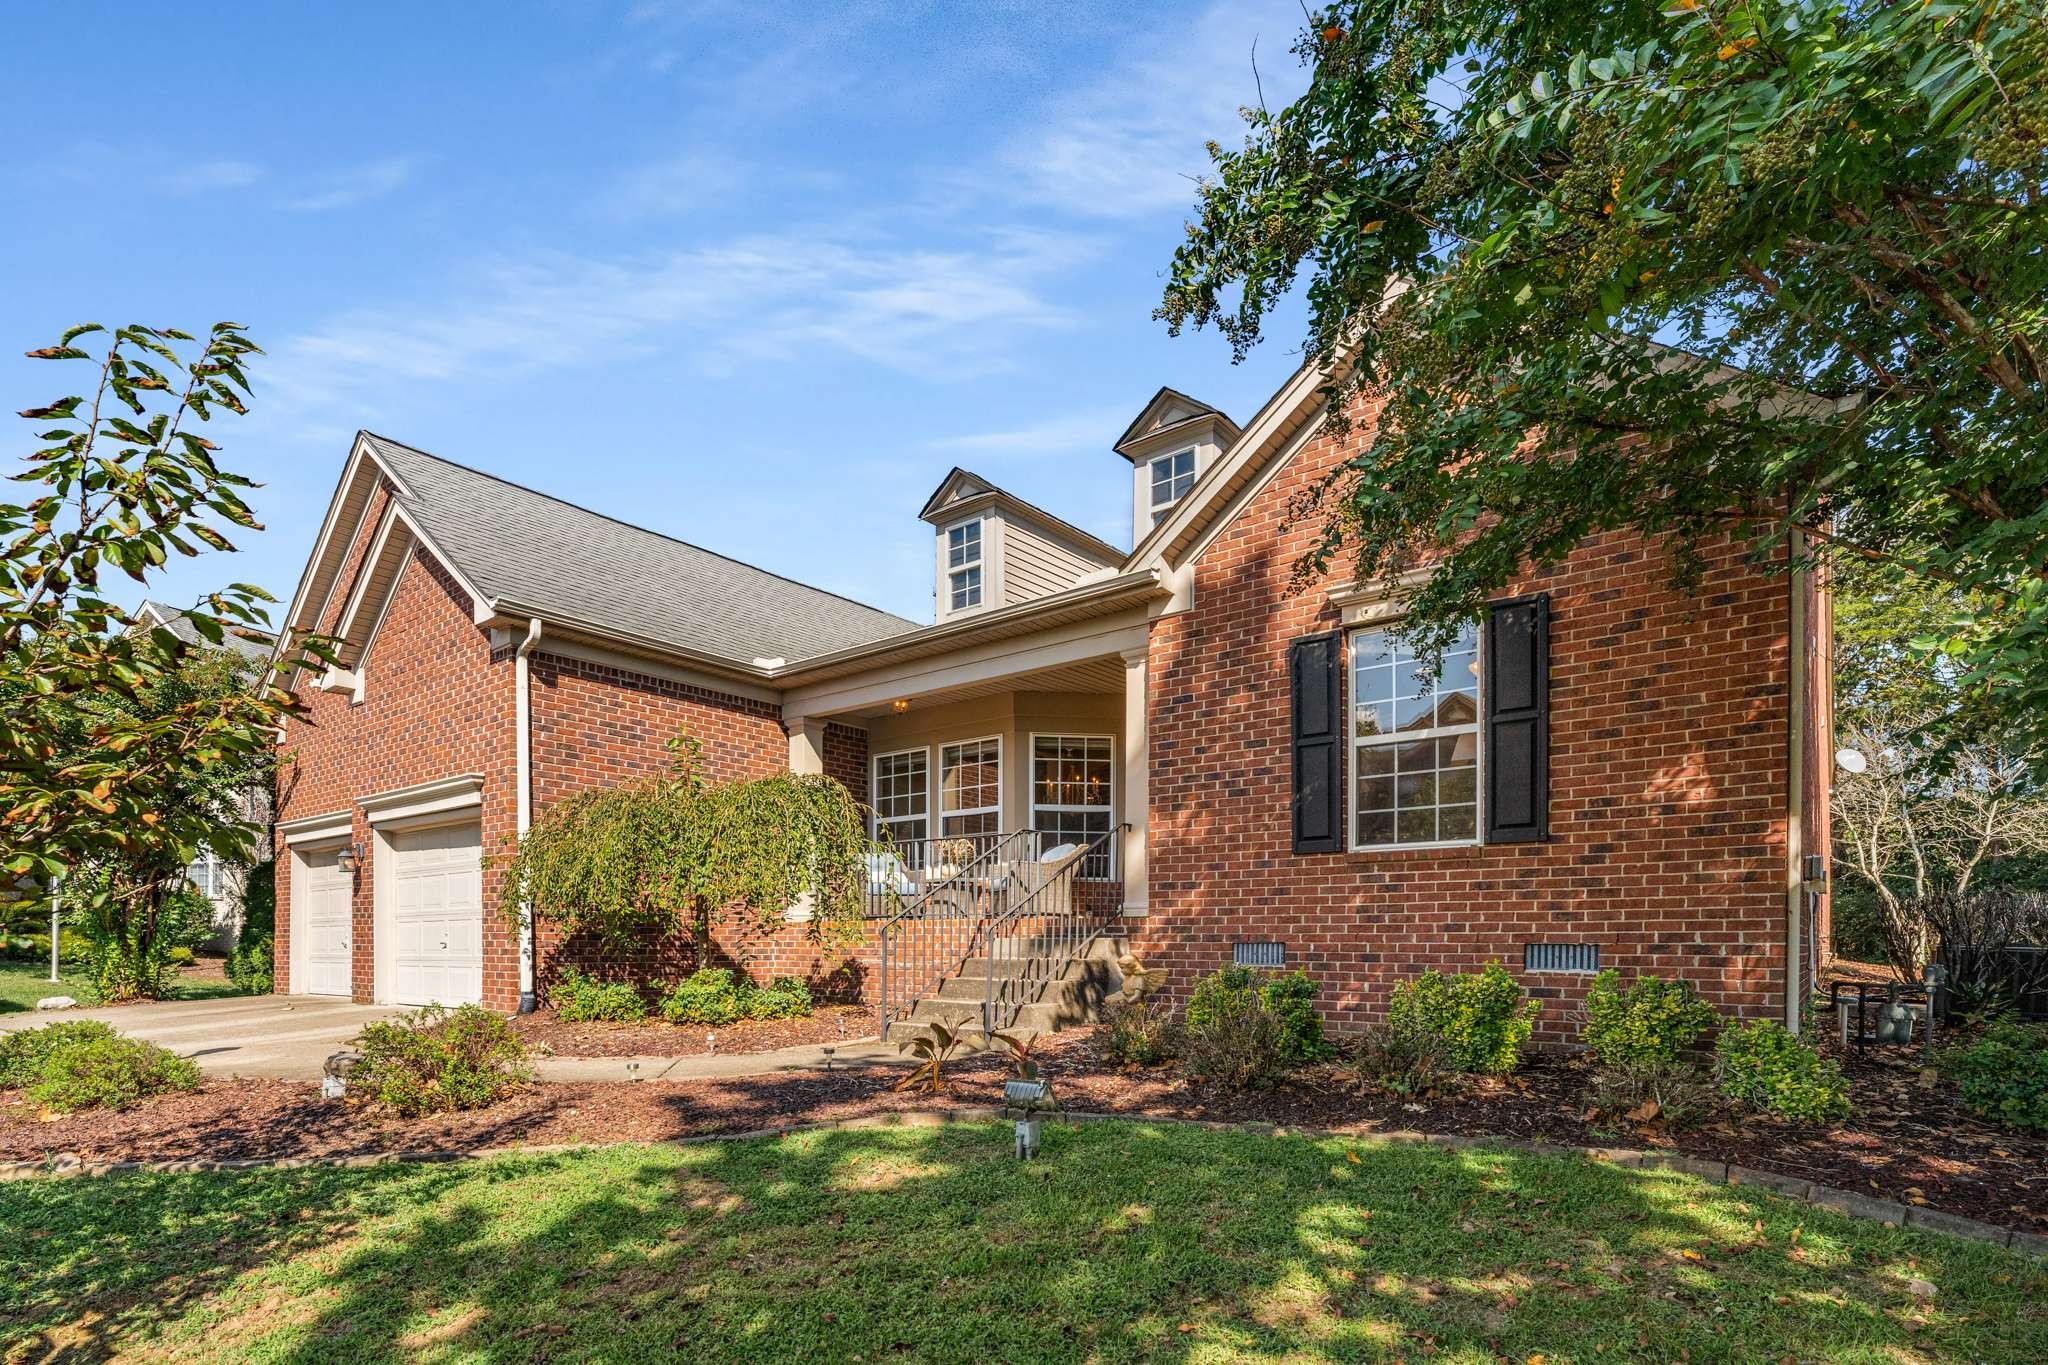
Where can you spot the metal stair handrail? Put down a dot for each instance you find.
(936, 931)
(1058, 917)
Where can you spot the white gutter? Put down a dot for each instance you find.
(523, 747)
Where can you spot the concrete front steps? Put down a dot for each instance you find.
(1065, 996)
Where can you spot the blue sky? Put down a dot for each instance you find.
(752, 276)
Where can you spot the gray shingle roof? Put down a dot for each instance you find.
(177, 624)
(559, 560)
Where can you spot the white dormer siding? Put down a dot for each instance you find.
(1171, 444)
(993, 549)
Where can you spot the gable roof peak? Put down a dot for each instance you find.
(1171, 408)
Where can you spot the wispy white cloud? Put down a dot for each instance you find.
(932, 312)
(1132, 141)
(204, 176)
(351, 185)
(1061, 434)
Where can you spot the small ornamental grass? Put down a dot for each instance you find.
(1483, 1020)
(1762, 1065)
(83, 1064)
(1651, 1024)
(2003, 1073)
(580, 999)
(435, 1059)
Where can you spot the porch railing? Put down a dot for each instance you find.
(901, 873)
(942, 911)
(1028, 901)
(1059, 904)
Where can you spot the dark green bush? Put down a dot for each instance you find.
(580, 999)
(1231, 1035)
(706, 996)
(1482, 1019)
(252, 963)
(108, 1073)
(1762, 1065)
(435, 1059)
(1653, 1022)
(22, 1054)
(1290, 997)
(2003, 1073)
(715, 997)
(1140, 1033)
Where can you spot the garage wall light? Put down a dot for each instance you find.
(349, 857)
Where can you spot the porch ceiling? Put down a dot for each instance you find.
(1089, 675)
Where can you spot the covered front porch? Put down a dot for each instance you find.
(1043, 743)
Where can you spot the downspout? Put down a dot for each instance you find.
(1795, 788)
(523, 746)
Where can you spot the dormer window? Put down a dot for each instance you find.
(963, 566)
(1172, 476)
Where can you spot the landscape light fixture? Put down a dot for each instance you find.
(1851, 760)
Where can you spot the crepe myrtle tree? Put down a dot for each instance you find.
(1683, 268)
(104, 737)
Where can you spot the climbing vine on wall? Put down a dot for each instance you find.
(677, 852)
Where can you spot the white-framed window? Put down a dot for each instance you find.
(1414, 743)
(902, 800)
(1172, 476)
(204, 874)
(1073, 793)
(963, 566)
(970, 787)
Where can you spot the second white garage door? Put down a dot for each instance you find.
(437, 916)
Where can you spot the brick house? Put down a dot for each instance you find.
(1604, 773)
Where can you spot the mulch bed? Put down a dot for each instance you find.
(659, 1038)
(1909, 1142)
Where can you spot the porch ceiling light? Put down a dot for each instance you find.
(900, 705)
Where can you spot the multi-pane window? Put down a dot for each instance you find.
(1070, 793)
(963, 565)
(203, 874)
(1414, 742)
(903, 793)
(1172, 477)
(970, 788)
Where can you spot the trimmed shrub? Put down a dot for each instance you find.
(71, 947)
(435, 1059)
(787, 997)
(1761, 1065)
(715, 997)
(1232, 1036)
(1140, 1033)
(1482, 1020)
(22, 1054)
(109, 1072)
(2003, 1073)
(706, 996)
(1653, 1022)
(1289, 997)
(252, 963)
(580, 999)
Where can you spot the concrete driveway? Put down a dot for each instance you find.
(257, 1035)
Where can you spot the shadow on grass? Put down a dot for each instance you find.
(1125, 1241)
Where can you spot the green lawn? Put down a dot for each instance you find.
(1125, 1241)
(24, 983)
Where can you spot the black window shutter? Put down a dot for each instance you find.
(1315, 668)
(1517, 757)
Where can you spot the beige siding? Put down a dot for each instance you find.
(1035, 565)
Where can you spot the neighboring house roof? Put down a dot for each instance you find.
(530, 554)
(180, 625)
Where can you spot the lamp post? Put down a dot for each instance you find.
(56, 910)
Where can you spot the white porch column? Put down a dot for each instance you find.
(806, 744)
(1137, 779)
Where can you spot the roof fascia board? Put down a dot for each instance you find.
(294, 621)
(1141, 448)
(380, 549)
(1205, 535)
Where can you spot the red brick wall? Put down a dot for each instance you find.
(1668, 774)
(436, 703)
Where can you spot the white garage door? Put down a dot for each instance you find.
(320, 913)
(437, 916)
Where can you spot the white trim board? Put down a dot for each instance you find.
(441, 796)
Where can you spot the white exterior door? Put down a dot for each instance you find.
(321, 913)
(437, 916)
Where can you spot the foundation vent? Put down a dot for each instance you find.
(1258, 955)
(1561, 957)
